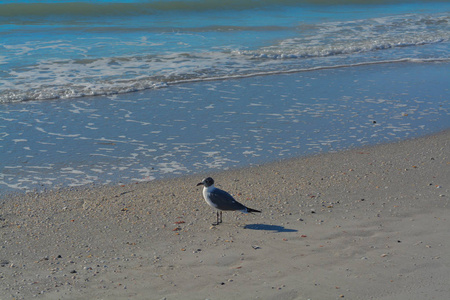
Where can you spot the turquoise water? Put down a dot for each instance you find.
(113, 92)
(66, 49)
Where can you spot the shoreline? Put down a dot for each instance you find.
(92, 186)
(365, 223)
(217, 125)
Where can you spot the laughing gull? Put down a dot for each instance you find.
(221, 200)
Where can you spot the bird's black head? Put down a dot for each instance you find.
(208, 181)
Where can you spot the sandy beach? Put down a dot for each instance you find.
(368, 223)
(331, 117)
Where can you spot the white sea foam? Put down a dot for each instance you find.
(324, 45)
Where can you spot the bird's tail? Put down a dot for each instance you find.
(251, 210)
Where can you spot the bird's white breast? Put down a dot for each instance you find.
(206, 191)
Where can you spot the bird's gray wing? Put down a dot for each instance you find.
(224, 201)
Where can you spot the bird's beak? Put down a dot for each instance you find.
(200, 183)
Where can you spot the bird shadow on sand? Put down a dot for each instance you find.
(267, 227)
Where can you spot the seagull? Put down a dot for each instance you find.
(221, 200)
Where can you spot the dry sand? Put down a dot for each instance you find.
(369, 223)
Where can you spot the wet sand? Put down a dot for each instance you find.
(368, 223)
(217, 125)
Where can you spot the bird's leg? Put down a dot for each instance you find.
(217, 219)
(220, 216)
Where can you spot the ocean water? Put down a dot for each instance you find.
(67, 49)
(122, 91)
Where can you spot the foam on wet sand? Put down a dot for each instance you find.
(218, 125)
(368, 223)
